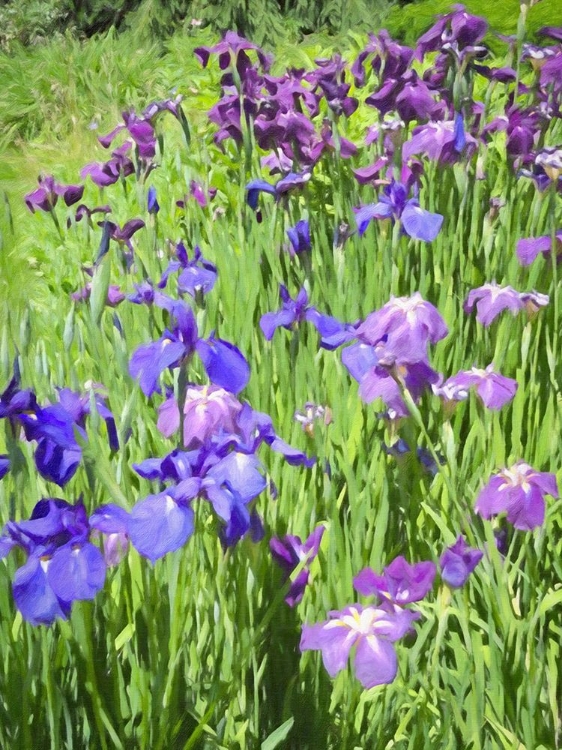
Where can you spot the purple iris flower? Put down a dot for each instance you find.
(84, 210)
(409, 96)
(400, 583)
(4, 465)
(289, 552)
(388, 56)
(54, 427)
(299, 235)
(296, 311)
(458, 562)
(14, 401)
(140, 130)
(47, 194)
(198, 193)
(494, 390)
(223, 362)
(491, 300)
(520, 492)
(458, 28)
(232, 50)
(107, 173)
(197, 275)
(62, 565)
(395, 205)
(152, 204)
(444, 142)
(371, 630)
(529, 249)
(114, 295)
(292, 181)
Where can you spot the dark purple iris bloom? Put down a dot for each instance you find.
(400, 583)
(48, 192)
(371, 630)
(296, 311)
(289, 552)
(491, 300)
(14, 401)
(152, 204)
(329, 76)
(409, 96)
(386, 53)
(84, 210)
(107, 173)
(522, 128)
(62, 565)
(140, 130)
(196, 276)
(54, 427)
(223, 362)
(554, 32)
(167, 105)
(445, 142)
(458, 562)
(459, 28)
(528, 249)
(123, 235)
(520, 492)
(4, 465)
(503, 75)
(299, 235)
(494, 390)
(326, 142)
(232, 50)
(292, 181)
(394, 204)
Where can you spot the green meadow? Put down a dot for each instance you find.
(199, 649)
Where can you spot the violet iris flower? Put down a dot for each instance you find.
(107, 173)
(491, 300)
(520, 492)
(198, 193)
(299, 235)
(47, 194)
(289, 552)
(400, 583)
(296, 311)
(444, 142)
(232, 50)
(14, 401)
(4, 465)
(140, 130)
(494, 390)
(62, 565)
(152, 204)
(371, 630)
(395, 205)
(458, 562)
(530, 248)
(54, 427)
(292, 181)
(114, 295)
(112, 522)
(197, 275)
(223, 362)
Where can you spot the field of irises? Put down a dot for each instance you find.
(280, 402)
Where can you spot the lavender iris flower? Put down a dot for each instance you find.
(530, 248)
(400, 583)
(394, 204)
(494, 390)
(290, 182)
(491, 300)
(140, 130)
(444, 142)
(47, 194)
(62, 565)
(289, 552)
(223, 362)
(371, 630)
(112, 522)
(114, 295)
(458, 562)
(152, 204)
(519, 491)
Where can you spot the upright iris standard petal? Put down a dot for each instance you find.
(159, 525)
(224, 363)
(458, 562)
(400, 583)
